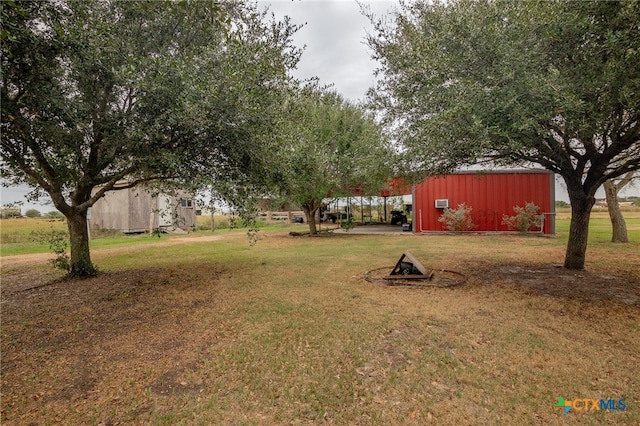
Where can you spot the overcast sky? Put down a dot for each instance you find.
(334, 34)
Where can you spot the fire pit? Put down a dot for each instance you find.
(408, 271)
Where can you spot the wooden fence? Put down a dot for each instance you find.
(288, 217)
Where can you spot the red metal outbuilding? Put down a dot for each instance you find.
(491, 195)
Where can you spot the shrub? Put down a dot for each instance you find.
(9, 212)
(458, 219)
(32, 213)
(201, 227)
(54, 214)
(58, 242)
(525, 218)
(348, 224)
(225, 223)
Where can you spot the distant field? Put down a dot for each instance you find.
(17, 236)
(600, 224)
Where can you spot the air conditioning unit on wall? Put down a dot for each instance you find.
(442, 203)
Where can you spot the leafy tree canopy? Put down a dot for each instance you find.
(331, 148)
(94, 92)
(516, 83)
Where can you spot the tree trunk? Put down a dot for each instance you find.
(80, 265)
(617, 220)
(310, 208)
(581, 205)
(310, 213)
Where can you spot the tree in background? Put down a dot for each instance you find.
(8, 211)
(516, 83)
(611, 189)
(33, 213)
(95, 93)
(330, 148)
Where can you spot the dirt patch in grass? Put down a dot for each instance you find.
(542, 279)
(555, 281)
(388, 355)
(26, 259)
(67, 343)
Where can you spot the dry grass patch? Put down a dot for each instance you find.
(215, 332)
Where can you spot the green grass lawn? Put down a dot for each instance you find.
(16, 235)
(210, 330)
(600, 224)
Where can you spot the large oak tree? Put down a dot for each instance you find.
(512, 83)
(101, 91)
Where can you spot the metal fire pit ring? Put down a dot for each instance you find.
(436, 278)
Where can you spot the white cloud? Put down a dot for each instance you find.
(334, 35)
